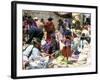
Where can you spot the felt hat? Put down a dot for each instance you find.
(37, 41)
(50, 18)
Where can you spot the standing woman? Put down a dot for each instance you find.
(66, 51)
(61, 26)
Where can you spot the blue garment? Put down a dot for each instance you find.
(35, 32)
(76, 52)
(67, 32)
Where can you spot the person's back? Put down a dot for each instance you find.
(49, 27)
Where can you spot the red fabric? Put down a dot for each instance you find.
(66, 51)
(48, 38)
(49, 26)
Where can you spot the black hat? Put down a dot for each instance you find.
(37, 41)
(50, 18)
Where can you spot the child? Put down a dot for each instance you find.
(66, 51)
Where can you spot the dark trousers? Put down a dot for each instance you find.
(34, 32)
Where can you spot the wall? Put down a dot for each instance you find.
(43, 14)
(5, 39)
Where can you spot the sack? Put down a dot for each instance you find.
(30, 52)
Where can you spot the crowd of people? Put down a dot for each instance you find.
(48, 46)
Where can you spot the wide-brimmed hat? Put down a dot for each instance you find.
(35, 18)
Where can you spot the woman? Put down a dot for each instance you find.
(66, 51)
(61, 26)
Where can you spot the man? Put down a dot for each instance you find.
(35, 31)
(35, 55)
(50, 28)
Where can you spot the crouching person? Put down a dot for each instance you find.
(34, 58)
